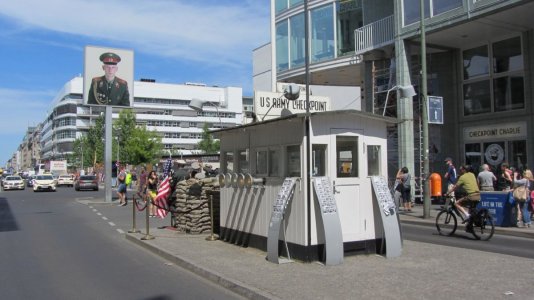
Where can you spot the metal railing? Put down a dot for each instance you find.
(374, 35)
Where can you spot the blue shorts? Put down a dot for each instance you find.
(121, 188)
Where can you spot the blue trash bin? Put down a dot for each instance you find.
(500, 205)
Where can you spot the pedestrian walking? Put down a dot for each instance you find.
(121, 188)
(521, 195)
(486, 179)
(152, 191)
(505, 179)
(404, 178)
(451, 176)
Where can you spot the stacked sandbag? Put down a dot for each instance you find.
(192, 205)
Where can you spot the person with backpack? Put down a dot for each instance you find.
(404, 187)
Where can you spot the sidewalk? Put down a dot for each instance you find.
(424, 271)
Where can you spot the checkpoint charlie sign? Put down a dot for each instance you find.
(273, 105)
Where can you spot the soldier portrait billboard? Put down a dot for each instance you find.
(108, 76)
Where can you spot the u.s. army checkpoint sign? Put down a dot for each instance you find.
(269, 105)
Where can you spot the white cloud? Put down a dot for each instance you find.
(223, 33)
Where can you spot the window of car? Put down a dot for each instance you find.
(87, 177)
(45, 177)
(13, 178)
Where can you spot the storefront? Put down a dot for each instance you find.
(494, 144)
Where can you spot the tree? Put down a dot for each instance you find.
(135, 143)
(90, 146)
(208, 144)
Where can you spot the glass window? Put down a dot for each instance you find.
(441, 6)
(508, 93)
(476, 62)
(347, 156)
(293, 161)
(280, 5)
(518, 154)
(373, 160)
(243, 161)
(297, 43)
(228, 162)
(322, 33)
(473, 155)
(349, 18)
(261, 162)
(295, 2)
(507, 56)
(274, 155)
(319, 160)
(477, 98)
(282, 60)
(412, 11)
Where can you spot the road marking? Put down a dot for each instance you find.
(95, 210)
(120, 231)
(104, 218)
(99, 214)
(111, 223)
(90, 207)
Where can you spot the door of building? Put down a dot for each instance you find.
(346, 171)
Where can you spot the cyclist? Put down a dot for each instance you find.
(467, 190)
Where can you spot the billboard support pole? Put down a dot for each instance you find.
(107, 152)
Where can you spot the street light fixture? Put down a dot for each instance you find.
(405, 91)
(198, 104)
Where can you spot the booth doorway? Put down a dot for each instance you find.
(345, 171)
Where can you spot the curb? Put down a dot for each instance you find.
(235, 286)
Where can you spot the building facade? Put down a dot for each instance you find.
(160, 106)
(479, 57)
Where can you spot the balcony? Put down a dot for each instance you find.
(374, 35)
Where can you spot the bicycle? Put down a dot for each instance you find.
(480, 224)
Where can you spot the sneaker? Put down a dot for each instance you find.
(120, 204)
(528, 225)
(124, 204)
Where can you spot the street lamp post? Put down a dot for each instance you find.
(198, 104)
(424, 116)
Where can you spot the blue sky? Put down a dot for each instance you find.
(174, 41)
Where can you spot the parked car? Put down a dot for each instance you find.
(44, 182)
(67, 180)
(13, 182)
(86, 182)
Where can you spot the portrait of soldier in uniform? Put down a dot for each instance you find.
(109, 89)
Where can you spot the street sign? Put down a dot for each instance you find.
(435, 109)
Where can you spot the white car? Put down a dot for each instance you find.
(44, 182)
(13, 182)
(67, 180)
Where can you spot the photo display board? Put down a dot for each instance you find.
(383, 195)
(279, 208)
(390, 221)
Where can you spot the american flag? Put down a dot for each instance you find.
(164, 191)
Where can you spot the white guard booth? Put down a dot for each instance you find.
(282, 192)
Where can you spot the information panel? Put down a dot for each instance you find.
(333, 234)
(279, 208)
(390, 221)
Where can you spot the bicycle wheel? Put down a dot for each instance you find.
(446, 223)
(484, 230)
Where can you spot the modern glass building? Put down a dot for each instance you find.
(479, 56)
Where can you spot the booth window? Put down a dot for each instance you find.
(243, 164)
(319, 160)
(373, 160)
(293, 161)
(228, 162)
(261, 162)
(347, 156)
(274, 158)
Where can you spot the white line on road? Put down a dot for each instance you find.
(95, 210)
(120, 231)
(111, 223)
(104, 218)
(99, 214)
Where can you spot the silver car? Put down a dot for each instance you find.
(13, 182)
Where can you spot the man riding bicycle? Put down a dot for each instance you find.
(466, 190)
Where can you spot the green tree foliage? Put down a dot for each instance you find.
(208, 144)
(134, 144)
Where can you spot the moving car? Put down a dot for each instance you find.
(86, 182)
(67, 180)
(13, 182)
(44, 182)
